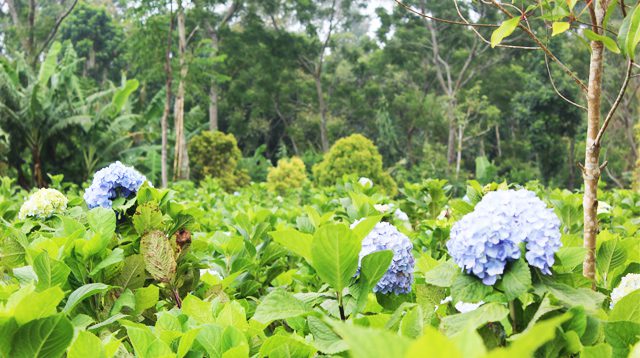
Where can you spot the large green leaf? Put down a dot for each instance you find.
(627, 309)
(611, 255)
(516, 280)
(86, 345)
(45, 337)
(621, 335)
(284, 345)
(295, 241)
(50, 272)
(325, 340)
(467, 288)
(334, 252)
(159, 257)
(48, 66)
(527, 342)
(629, 33)
(277, 305)
(82, 293)
(147, 218)
(491, 312)
(144, 342)
(504, 30)
(369, 342)
(38, 305)
(132, 274)
(433, 344)
(443, 274)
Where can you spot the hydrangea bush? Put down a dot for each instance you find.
(116, 180)
(485, 240)
(43, 204)
(399, 276)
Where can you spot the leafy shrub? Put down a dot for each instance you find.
(355, 155)
(216, 154)
(257, 165)
(290, 173)
(636, 179)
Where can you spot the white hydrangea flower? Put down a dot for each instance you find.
(382, 208)
(400, 215)
(628, 284)
(365, 182)
(43, 204)
(464, 307)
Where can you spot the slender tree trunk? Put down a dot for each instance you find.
(451, 142)
(181, 158)
(591, 169)
(37, 167)
(213, 92)
(164, 122)
(31, 17)
(571, 167)
(498, 144)
(323, 112)
(459, 150)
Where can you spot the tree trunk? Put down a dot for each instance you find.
(213, 91)
(451, 142)
(164, 122)
(37, 167)
(181, 158)
(459, 150)
(323, 113)
(591, 169)
(571, 167)
(498, 145)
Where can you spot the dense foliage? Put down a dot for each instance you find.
(193, 271)
(353, 155)
(288, 174)
(216, 155)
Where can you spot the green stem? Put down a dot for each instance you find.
(341, 307)
(512, 314)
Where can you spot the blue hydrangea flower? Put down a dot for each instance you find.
(116, 180)
(399, 276)
(485, 240)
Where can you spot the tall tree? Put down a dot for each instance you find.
(181, 155)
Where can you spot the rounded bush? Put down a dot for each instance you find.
(289, 174)
(353, 155)
(216, 154)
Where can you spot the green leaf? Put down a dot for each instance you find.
(210, 337)
(132, 275)
(412, 323)
(147, 218)
(146, 298)
(45, 337)
(197, 309)
(284, 345)
(368, 342)
(490, 312)
(145, 343)
(571, 296)
(468, 288)
(48, 66)
(442, 275)
(516, 280)
(116, 256)
(279, 304)
(504, 30)
(121, 95)
(159, 257)
(86, 345)
(186, 341)
(102, 221)
(527, 342)
(470, 343)
(334, 252)
(38, 305)
(611, 255)
(364, 227)
(601, 350)
(50, 272)
(629, 33)
(433, 344)
(325, 340)
(621, 335)
(8, 328)
(627, 309)
(559, 27)
(374, 266)
(608, 42)
(82, 293)
(295, 241)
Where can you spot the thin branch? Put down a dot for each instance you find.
(616, 103)
(544, 48)
(553, 84)
(452, 22)
(464, 19)
(54, 30)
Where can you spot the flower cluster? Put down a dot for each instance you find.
(399, 276)
(629, 283)
(43, 204)
(365, 182)
(485, 240)
(116, 180)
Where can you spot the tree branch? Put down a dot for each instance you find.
(615, 104)
(55, 28)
